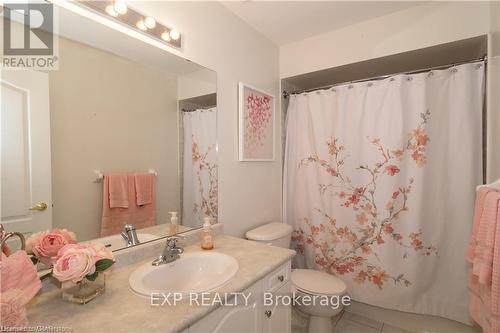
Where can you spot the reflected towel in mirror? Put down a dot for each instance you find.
(118, 189)
(144, 184)
(114, 219)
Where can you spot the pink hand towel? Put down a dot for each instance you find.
(13, 309)
(486, 237)
(18, 272)
(484, 256)
(118, 189)
(144, 188)
(19, 284)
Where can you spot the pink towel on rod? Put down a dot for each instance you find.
(118, 189)
(114, 219)
(144, 188)
(484, 256)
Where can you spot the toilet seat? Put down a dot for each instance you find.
(315, 282)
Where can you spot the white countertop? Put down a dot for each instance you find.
(119, 310)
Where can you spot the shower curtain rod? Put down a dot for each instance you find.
(381, 77)
(203, 108)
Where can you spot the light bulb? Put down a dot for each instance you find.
(120, 7)
(165, 36)
(150, 22)
(110, 10)
(141, 25)
(174, 34)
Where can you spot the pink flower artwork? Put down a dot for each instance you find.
(256, 125)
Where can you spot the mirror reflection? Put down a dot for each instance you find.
(118, 143)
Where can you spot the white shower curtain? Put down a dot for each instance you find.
(199, 167)
(380, 182)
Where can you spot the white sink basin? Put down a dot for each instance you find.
(116, 242)
(194, 272)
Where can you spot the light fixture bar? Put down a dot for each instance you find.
(120, 12)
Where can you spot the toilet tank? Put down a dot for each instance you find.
(274, 233)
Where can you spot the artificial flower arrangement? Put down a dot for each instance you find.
(78, 263)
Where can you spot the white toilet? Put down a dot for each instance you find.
(306, 283)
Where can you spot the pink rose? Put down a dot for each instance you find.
(74, 262)
(46, 244)
(101, 251)
(12, 310)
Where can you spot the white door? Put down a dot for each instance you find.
(26, 203)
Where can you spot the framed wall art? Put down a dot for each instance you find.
(256, 124)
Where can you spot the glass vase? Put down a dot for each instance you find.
(85, 290)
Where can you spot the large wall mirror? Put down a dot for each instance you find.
(122, 133)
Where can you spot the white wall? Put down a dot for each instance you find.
(199, 83)
(414, 28)
(249, 192)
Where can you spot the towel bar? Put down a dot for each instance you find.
(100, 175)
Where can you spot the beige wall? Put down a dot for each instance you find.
(110, 114)
(249, 192)
(414, 28)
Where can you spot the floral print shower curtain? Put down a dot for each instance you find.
(199, 191)
(379, 186)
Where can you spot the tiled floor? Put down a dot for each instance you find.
(346, 323)
(351, 321)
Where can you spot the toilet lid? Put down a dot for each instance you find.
(269, 232)
(316, 282)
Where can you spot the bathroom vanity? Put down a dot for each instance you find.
(261, 268)
(254, 316)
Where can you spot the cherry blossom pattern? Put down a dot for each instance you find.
(205, 170)
(258, 117)
(340, 249)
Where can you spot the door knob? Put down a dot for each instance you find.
(268, 313)
(41, 206)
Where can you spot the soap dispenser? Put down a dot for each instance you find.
(174, 223)
(207, 242)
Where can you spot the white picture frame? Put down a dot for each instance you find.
(256, 124)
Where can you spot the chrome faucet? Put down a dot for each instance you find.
(170, 252)
(130, 235)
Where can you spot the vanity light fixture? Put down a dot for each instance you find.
(149, 22)
(166, 36)
(174, 34)
(110, 10)
(120, 7)
(119, 11)
(141, 25)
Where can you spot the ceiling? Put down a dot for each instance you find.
(284, 22)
